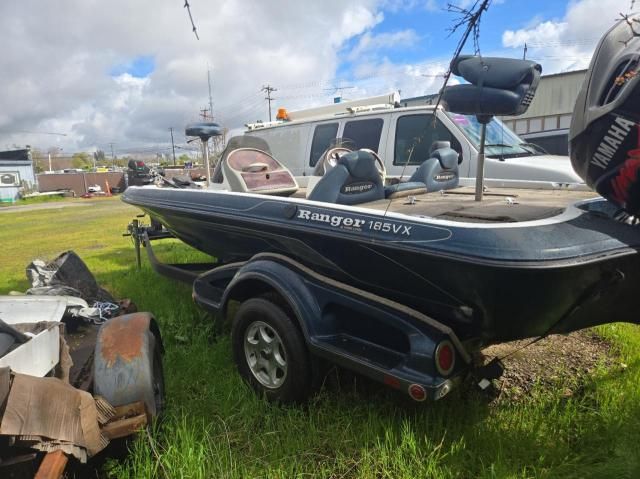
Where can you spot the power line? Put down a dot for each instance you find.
(34, 132)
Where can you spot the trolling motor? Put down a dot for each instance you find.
(497, 86)
(204, 131)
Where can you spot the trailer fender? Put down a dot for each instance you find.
(128, 364)
(265, 275)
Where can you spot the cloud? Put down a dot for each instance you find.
(369, 42)
(567, 43)
(70, 67)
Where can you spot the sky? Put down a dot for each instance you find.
(89, 75)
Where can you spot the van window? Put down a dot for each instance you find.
(322, 138)
(418, 132)
(364, 133)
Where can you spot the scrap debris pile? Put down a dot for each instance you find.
(67, 275)
(45, 399)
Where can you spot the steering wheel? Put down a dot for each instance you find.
(329, 160)
(379, 163)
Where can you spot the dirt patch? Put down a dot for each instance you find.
(557, 359)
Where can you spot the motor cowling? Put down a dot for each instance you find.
(604, 139)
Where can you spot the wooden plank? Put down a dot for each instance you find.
(129, 410)
(52, 466)
(124, 427)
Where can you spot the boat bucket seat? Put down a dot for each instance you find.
(355, 179)
(439, 172)
(235, 142)
(255, 171)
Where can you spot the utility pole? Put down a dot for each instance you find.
(524, 53)
(204, 113)
(173, 147)
(269, 89)
(210, 97)
(113, 157)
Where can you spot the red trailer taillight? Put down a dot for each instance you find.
(445, 357)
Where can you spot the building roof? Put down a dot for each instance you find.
(21, 155)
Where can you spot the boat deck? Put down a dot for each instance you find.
(499, 205)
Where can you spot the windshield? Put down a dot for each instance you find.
(501, 142)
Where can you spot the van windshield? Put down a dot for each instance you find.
(501, 142)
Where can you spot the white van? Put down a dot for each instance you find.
(402, 137)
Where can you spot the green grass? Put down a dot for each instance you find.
(34, 200)
(215, 426)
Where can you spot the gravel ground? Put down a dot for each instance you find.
(550, 361)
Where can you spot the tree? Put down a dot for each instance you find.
(37, 157)
(81, 161)
(182, 159)
(122, 161)
(99, 156)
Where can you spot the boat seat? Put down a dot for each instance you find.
(354, 180)
(494, 72)
(203, 130)
(440, 171)
(255, 171)
(234, 143)
(497, 86)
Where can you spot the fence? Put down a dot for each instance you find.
(79, 182)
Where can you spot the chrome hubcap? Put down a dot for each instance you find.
(265, 354)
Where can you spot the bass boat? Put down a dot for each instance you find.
(494, 265)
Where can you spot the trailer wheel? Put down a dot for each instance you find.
(270, 352)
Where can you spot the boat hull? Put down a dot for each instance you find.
(489, 282)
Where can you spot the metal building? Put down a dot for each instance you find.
(546, 122)
(16, 174)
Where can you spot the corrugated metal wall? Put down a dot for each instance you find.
(552, 106)
(556, 94)
(23, 171)
(78, 182)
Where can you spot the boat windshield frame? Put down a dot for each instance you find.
(501, 142)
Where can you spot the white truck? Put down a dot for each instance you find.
(402, 137)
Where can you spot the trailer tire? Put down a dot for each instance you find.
(270, 352)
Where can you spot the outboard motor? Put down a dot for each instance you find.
(604, 139)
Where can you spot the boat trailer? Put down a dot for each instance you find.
(310, 317)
